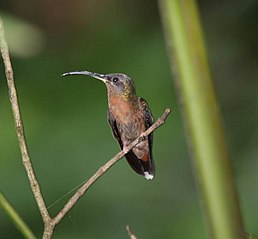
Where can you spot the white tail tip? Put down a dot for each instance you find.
(148, 176)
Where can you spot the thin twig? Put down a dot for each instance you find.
(130, 234)
(19, 126)
(80, 192)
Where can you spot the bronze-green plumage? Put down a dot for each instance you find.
(128, 116)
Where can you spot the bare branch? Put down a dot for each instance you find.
(80, 192)
(19, 126)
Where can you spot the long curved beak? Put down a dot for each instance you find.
(88, 73)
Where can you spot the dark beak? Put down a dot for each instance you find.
(88, 73)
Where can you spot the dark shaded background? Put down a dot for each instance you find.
(65, 119)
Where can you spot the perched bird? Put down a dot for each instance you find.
(128, 116)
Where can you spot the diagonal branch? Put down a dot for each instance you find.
(80, 192)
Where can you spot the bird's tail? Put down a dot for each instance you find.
(144, 166)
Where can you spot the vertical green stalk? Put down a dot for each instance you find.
(17, 220)
(202, 119)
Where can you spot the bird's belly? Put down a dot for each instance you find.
(131, 130)
(129, 120)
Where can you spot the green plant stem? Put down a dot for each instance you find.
(202, 119)
(17, 220)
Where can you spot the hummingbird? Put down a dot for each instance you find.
(128, 117)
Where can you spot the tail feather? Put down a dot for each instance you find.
(143, 167)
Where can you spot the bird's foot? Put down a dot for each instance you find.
(142, 138)
(125, 149)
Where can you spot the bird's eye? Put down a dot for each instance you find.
(115, 79)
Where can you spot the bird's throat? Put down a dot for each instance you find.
(122, 109)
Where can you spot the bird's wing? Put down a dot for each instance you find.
(113, 125)
(149, 120)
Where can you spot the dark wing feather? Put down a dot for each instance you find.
(149, 120)
(113, 125)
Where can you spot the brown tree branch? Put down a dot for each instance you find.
(48, 231)
(19, 126)
(50, 223)
(79, 193)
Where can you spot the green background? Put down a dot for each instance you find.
(65, 118)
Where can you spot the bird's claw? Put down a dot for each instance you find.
(125, 149)
(142, 138)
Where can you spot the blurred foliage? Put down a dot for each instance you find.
(18, 41)
(66, 127)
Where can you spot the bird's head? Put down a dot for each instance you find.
(118, 84)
